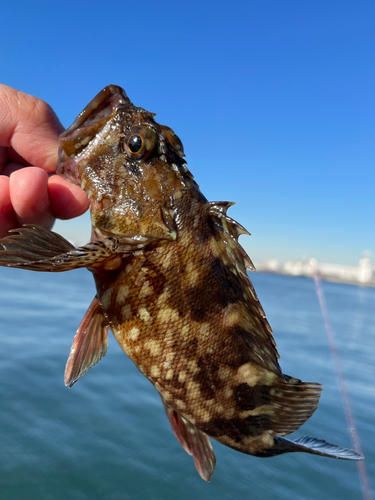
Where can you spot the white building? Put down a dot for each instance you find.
(364, 273)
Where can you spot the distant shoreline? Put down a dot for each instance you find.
(330, 279)
(362, 275)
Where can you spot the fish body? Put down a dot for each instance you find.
(172, 286)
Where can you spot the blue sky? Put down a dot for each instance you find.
(273, 100)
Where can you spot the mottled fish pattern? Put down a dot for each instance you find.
(172, 286)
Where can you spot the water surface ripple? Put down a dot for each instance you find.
(108, 438)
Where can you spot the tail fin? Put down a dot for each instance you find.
(316, 447)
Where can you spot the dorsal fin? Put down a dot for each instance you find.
(293, 402)
(233, 229)
(226, 233)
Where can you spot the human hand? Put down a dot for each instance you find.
(29, 194)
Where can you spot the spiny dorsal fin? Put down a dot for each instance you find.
(194, 442)
(226, 232)
(173, 141)
(229, 227)
(219, 207)
(89, 344)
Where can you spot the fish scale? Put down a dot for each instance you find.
(172, 286)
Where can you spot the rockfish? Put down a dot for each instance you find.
(172, 286)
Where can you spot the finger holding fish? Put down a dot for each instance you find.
(29, 137)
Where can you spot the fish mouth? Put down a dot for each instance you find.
(124, 243)
(89, 123)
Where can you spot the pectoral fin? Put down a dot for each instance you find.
(194, 442)
(89, 345)
(38, 249)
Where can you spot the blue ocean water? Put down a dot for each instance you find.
(108, 437)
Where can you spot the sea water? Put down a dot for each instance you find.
(108, 438)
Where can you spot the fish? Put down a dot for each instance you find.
(172, 285)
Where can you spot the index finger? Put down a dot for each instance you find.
(29, 126)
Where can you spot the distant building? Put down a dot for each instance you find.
(364, 273)
(365, 269)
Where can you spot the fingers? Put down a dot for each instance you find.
(68, 200)
(7, 216)
(30, 127)
(29, 135)
(30, 198)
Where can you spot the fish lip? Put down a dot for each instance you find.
(110, 98)
(94, 104)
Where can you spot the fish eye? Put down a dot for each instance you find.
(135, 143)
(139, 142)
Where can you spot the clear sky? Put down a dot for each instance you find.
(273, 100)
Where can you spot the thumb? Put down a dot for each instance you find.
(30, 126)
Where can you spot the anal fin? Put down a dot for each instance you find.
(194, 442)
(89, 345)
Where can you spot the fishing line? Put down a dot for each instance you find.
(361, 466)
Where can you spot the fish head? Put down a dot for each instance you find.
(131, 168)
